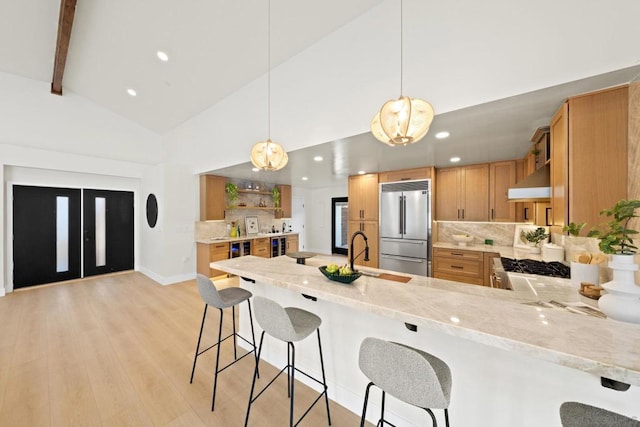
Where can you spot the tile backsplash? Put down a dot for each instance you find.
(500, 232)
(205, 230)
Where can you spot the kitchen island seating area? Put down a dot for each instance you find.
(576, 414)
(411, 375)
(289, 325)
(225, 298)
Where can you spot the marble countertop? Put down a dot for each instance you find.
(504, 251)
(214, 240)
(494, 317)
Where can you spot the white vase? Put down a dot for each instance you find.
(535, 249)
(622, 300)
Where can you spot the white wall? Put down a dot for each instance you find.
(318, 216)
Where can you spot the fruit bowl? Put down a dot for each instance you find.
(336, 277)
(462, 239)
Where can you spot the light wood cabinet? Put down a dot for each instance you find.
(488, 267)
(370, 229)
(405, 175)
(363, 197)
(212, 197)
(589, 156)
(462, 193)
(292, 243)
(458, 265)
(502, 176)
(207, 253)
(260, 247)
(285, 202)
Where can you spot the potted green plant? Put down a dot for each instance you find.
(622, 300)
(535, 238)
(573, 229)
(275, 195)
(232, 193)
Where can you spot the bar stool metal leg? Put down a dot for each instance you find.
(324, 379)
(195, 357)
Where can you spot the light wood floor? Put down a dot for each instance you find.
(117, 350)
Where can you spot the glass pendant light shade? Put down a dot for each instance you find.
(402, 121)
(269, 156)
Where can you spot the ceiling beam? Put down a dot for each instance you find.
(65, 23)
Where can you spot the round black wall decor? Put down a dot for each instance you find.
(152, 210)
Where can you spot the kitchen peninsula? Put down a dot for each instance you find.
(512, 363)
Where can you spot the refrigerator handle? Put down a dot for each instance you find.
(404, 215)
(401, 217)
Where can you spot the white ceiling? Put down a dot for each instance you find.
(215, 47)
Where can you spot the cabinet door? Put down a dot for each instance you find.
(598, 129)
(370, 229)
(447, 208)
(559, 151)
(212, 197)
(363, 197)
(405, 175)
(502, 176)
(475, 191)
(285, 202)
(292, 244)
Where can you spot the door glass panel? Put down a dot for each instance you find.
(101, 231)
(341, 217)
(62, 234)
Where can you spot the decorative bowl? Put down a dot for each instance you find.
(342, 278)
(462, 239)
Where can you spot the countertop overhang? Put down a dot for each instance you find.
(493, 317)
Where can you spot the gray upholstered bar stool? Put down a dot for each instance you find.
(222, 299)
(290, 325)
(575, 414)
(409, 374)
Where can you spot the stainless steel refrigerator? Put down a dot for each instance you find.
(405, 226)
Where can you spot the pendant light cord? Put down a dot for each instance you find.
(401, 47)
(269, 71)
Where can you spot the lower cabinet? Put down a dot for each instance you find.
(370, 229)
(292, 244)
(206, 253)
(260, 247)
(474, 267)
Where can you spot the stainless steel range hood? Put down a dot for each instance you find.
(534, 188)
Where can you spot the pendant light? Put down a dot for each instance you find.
(404, 120)
(268, 155)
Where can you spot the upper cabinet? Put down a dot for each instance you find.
(462, 193)
(405, 175)
(589, 156)
(212, 197)
(285, 202)
(502, 176)
(363, 197)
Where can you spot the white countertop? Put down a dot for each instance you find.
(504, 251)
(493, 317)
(214, 240)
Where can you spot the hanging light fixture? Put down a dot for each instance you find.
(404, 120)
(268, 155)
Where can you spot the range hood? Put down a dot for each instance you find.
(534, 188)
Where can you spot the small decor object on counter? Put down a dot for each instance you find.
(462, 239)
(535, 238)
(519, 240)
(590, 290)
(622, 300)
(234, 230)
(342, 274)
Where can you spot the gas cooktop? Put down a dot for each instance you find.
(530, 266)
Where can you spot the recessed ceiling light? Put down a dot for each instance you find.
(162, 56)
(304, 178)
(442, 135)
(132, 92)
(361, 172)
(454, 159)
(318, 158)
(255, 170)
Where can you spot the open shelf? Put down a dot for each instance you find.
(257, 208)
(265, 193)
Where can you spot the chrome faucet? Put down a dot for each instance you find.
(366, 249)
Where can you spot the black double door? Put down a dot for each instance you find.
(54, 229)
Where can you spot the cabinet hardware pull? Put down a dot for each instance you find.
(309, 297)
(462, 213)
(459, 267)
(458, 213)
(493, 216)
(457, 253)
(526, 213)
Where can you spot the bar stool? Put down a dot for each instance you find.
(409, 374)
(575, 414)
(222, 299)
(288, 324)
